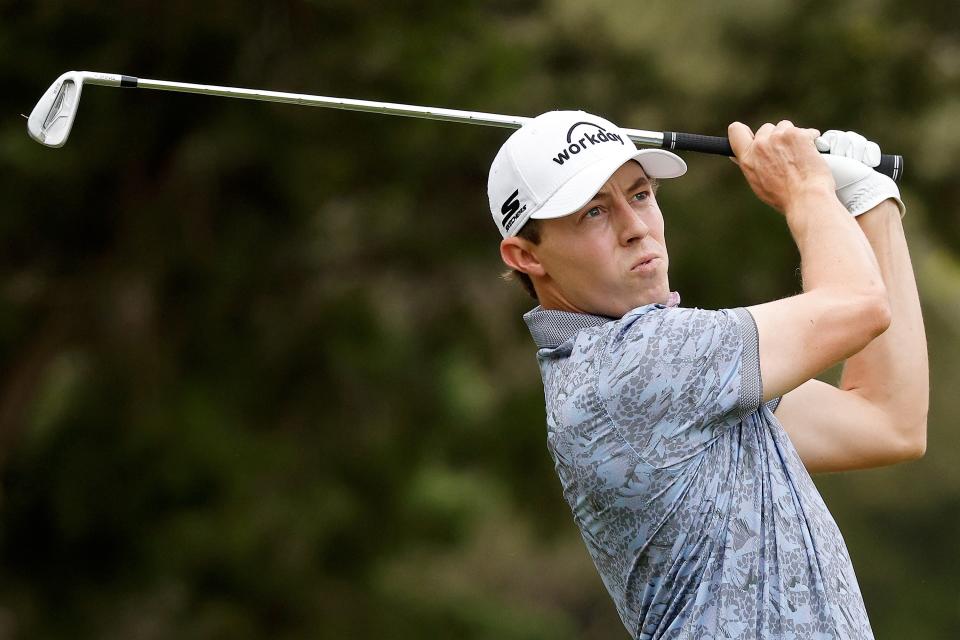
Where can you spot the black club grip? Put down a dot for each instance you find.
(695, 142)
(890, 165)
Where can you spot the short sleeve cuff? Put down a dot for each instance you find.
(751, 385)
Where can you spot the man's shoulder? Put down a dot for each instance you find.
(657, 322)
(675, 342)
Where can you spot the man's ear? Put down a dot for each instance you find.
(520, 254)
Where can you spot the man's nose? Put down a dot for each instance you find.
(630, 225)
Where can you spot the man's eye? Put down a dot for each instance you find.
(592, 213)
(643, 195)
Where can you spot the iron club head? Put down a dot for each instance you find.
(51, 120)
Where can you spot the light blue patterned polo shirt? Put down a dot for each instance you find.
(690, 497)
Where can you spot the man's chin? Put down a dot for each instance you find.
(654, 295)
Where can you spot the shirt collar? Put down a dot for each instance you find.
(550, 328)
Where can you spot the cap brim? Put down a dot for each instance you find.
(580, 189)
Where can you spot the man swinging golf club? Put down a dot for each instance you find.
(684, 438)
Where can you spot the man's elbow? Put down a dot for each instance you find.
(875, 313)
(862, 316)
(920, 449)
(914, 449)
(912, 445)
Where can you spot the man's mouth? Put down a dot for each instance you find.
(646, 264)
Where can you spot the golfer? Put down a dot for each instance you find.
(684, 438)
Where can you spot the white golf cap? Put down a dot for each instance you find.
(555, 163)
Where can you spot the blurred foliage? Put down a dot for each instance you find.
(260, 378)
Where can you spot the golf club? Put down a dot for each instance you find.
(51, 120)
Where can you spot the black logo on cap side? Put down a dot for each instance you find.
(511, 210)
(575, 146)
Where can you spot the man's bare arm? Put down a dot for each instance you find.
(878, 415)
(844, 305)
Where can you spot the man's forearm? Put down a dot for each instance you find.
(892, 371)
(832, 253)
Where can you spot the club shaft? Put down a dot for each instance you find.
(649, 138)
(891, 165)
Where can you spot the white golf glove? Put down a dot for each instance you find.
(851, 158)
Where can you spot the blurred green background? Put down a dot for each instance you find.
(259, 375)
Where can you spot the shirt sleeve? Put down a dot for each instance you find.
(673, 380)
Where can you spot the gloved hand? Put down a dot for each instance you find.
(849, 144)
(850, 157)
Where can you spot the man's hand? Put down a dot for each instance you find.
(849, 144)
(780, 162)
(850, 157)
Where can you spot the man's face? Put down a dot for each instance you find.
(610, 256)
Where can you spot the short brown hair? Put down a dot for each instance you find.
(531, 233)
